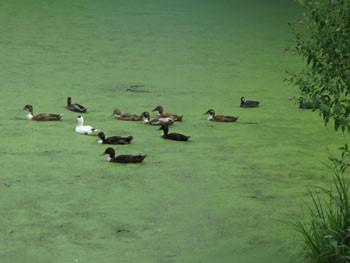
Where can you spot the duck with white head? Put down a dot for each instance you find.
(85, 129)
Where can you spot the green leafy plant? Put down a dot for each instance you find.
(323, 39)
(327, 235)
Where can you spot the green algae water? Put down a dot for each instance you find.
(219, 198)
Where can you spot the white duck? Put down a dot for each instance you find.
(85, 129)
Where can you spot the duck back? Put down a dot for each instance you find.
(129, 158)
(176, 137)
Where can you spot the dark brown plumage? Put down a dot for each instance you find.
(161, 113)
(76, 107)
(126, 116)
(123, 158)
(156, 121)
(172, 136)
(113, 139)
(42, 116)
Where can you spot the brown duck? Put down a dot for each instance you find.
(220, 118)
(126, 116)
(156, 121)
(161, 113)
(76, 107)
(42, 116)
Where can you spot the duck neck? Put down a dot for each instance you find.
(29, 115)
(145, 120)
(111, 156)
(211, 116)
(101, 138)
(165, 131)
(80, 122)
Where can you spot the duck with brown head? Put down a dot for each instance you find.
(161, 113)
(42, 116)
(126, 116)
(76, 107)
(157, 121)
(220, 118)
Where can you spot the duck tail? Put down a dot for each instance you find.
(129, 139)
(60, 116)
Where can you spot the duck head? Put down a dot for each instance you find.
(69, 101)
(110, 153)
(159, 109)
(80, 120)
(29, 109)
(101, 137)
(211, 113)
(242, 99)
(116, 112)
(145, 116)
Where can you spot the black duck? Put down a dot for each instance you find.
(113, 139)
(122, 158)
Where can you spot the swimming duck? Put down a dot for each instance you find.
(113, 139)
(42, 116)
(75, 106)
(85, 129)
(305, 104)
(126, 116)
(220, 118)
(157, 121)
(172, 136)
(249, 103)
(122, 158)
(161, 113)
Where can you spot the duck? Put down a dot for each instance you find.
(157, 121)
(126, 116)
(161, 113)
(172, 136)
(85, 129)
(249, 103)
(42, 116)
(110, 152)
(305, 104)
(113, 139)
(75, 106)
(220, 118)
